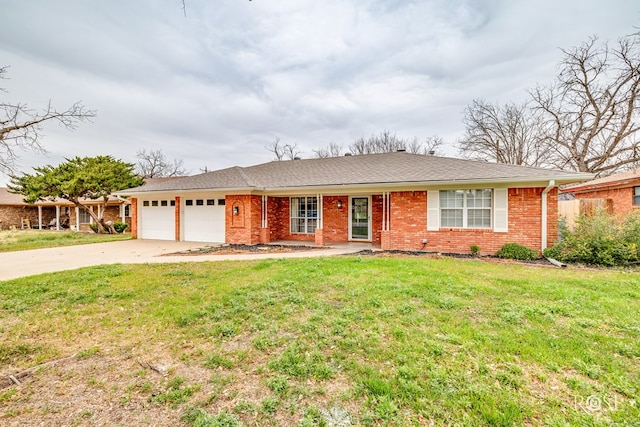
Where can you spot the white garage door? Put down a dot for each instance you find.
(157, 219)
(204, 220)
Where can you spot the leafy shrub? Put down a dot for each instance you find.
(517, 251)
(475, 250)
(600, 239)
(120, 227)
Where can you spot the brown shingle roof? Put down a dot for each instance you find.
(10, 199)
(370, 169)
(616, 180)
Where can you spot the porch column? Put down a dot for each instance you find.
(77, 218)
(134, 217)
(57, 217)
(122, 217)
(265, 231)
(39, 217)
(385, 232)
(319, 235)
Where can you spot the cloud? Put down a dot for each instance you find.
(216, 87)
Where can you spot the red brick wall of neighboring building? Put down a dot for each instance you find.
(11, 216)
(622, 198)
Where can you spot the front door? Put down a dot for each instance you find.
(360, 219)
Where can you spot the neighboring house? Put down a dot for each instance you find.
(397, 200)
(620, 193)
(14, 212)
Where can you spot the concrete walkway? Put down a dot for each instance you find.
(38, 261)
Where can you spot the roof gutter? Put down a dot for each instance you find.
(509, 182)
(543, 217)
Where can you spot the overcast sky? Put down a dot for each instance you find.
(217, 86)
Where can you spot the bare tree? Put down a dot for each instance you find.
(591, 110)
(21, 127)
(430, 145)
(331, 150)
(385, 142)
(154, 164)
(283, 151)
(504, 134)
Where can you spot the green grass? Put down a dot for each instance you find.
(378, 341)
(21, 240)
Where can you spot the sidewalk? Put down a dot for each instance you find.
(27, 263)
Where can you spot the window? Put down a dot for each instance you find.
(84, 217)
(154, 203)
(163, 203)
(173, 203)
(220, 202)
(465, 208)
(145, 203)
(127, 211)
(636, 196)
(211, 202)
(189, 202)
(304, 215)
(199, 202)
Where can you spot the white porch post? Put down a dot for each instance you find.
(122, 217)
(57, 217)
(320, 205)
(77, 218)
(265, 213)
(39, 217)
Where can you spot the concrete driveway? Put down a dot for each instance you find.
(38, 261)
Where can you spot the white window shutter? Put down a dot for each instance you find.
(501, 210)
(433, 210)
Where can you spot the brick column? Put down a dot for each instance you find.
(319, 237)
(177, 216)
(134, 218)
(265, 235)
(385, 240)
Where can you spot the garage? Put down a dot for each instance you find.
(157, 219)
(204, 220)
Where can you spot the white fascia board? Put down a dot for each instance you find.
(423, 185)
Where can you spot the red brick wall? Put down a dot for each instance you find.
(112, 213)
(134, 217)
(335, 220)
(409, 224)
(11, 216)
(178, 218)
(243, 228)
(622, 198)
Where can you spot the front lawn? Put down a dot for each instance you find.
(20, 240)
(331, 341)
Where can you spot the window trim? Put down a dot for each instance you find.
(306, 218)
(465, 208)
(635, 201)
(81, 213)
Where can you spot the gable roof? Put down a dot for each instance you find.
(623, 179)
(370, 169)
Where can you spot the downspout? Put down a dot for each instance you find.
(551, 185)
